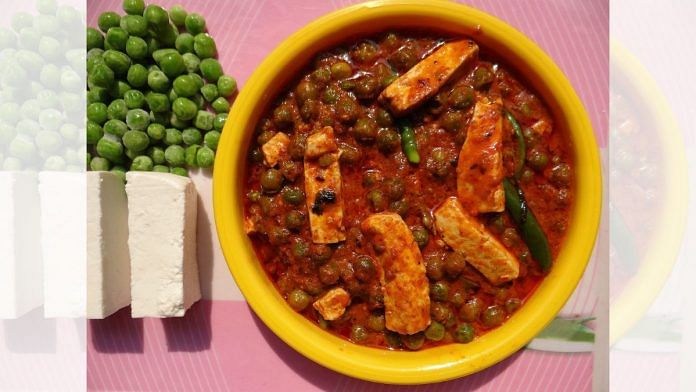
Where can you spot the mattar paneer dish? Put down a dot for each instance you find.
(407, 191)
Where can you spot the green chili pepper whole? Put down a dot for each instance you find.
(521, 145)
(408, 142)
(531, 231)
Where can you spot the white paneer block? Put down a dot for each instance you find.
(63, 243)
(162, 241)
(108, 259)
(20, 257)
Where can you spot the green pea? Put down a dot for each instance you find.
(178, 15)
(142, 163)
(298, 299)
(156, 16)
(95, 39)
(120, 171)
(439, 291)
(156, 131)
(29, 38)
(136, 140)
(420, 234)
(117, 38)
(134, 7)
(191, 152)
(46, 6)
(175, 155)
(158, 81)
(435, 331)
(156, 154)
(204, 120)
(172, 136)
(179, 171)
(172, 64)
(464, 333)
(205, 157)
(137, 75)
(191, 136)
(138, 119)
(51, 119)
(341, 70)
(160, 169)
(101, 76)
(118, 89)
(21, 20)
(294, 196)
(211, 70)
(178, 123)
(97, 94)
(136, 47)
(94, 132)
(220, 105)
(115, 127)
(204, 46)
(226, 86)
(209, 92)
(134, 99)
(99, 164)
(219, 121)
(184, 108)
(153, 45)
(110, 147)
(108, 20)
(134, 25)
(493, 316)
(191, 62)
(157, 102)
(167, 35)
(184, 43)
(212, 139)
(97, 112)
(413, 342)
(195, 23)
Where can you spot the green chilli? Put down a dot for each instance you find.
(408, 142)
(521, 145)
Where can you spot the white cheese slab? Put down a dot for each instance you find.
(63, 243)
(162, 242)
(20, 257)
(108, 259)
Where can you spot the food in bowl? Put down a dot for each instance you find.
(408, 190)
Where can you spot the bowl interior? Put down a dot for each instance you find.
(440, 363)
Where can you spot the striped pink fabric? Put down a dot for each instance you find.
(221, 345)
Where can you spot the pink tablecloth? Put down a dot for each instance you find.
(220, 344)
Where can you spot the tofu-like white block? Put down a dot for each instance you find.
(162, 212)
(63, 243)
(108, 259)
(20, 257)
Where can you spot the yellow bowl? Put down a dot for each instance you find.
(440, 363)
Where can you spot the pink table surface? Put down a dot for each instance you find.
(221, 344)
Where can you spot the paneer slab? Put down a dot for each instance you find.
(108, 259)
(404, 283)
(323, 189)
(466, 235)
(333, 304)
(427, 77)
(20, 258)
(276, 149)
(63, 238)
(162, 241)
(480, 164)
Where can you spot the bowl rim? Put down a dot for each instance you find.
(444, 362)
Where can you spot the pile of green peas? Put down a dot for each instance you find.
(152, 75)
(41, 80)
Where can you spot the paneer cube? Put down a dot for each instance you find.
(402, 273)
(275, 150)
(333, 304)
(482, 250)
(480, 165)
(424, 80)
